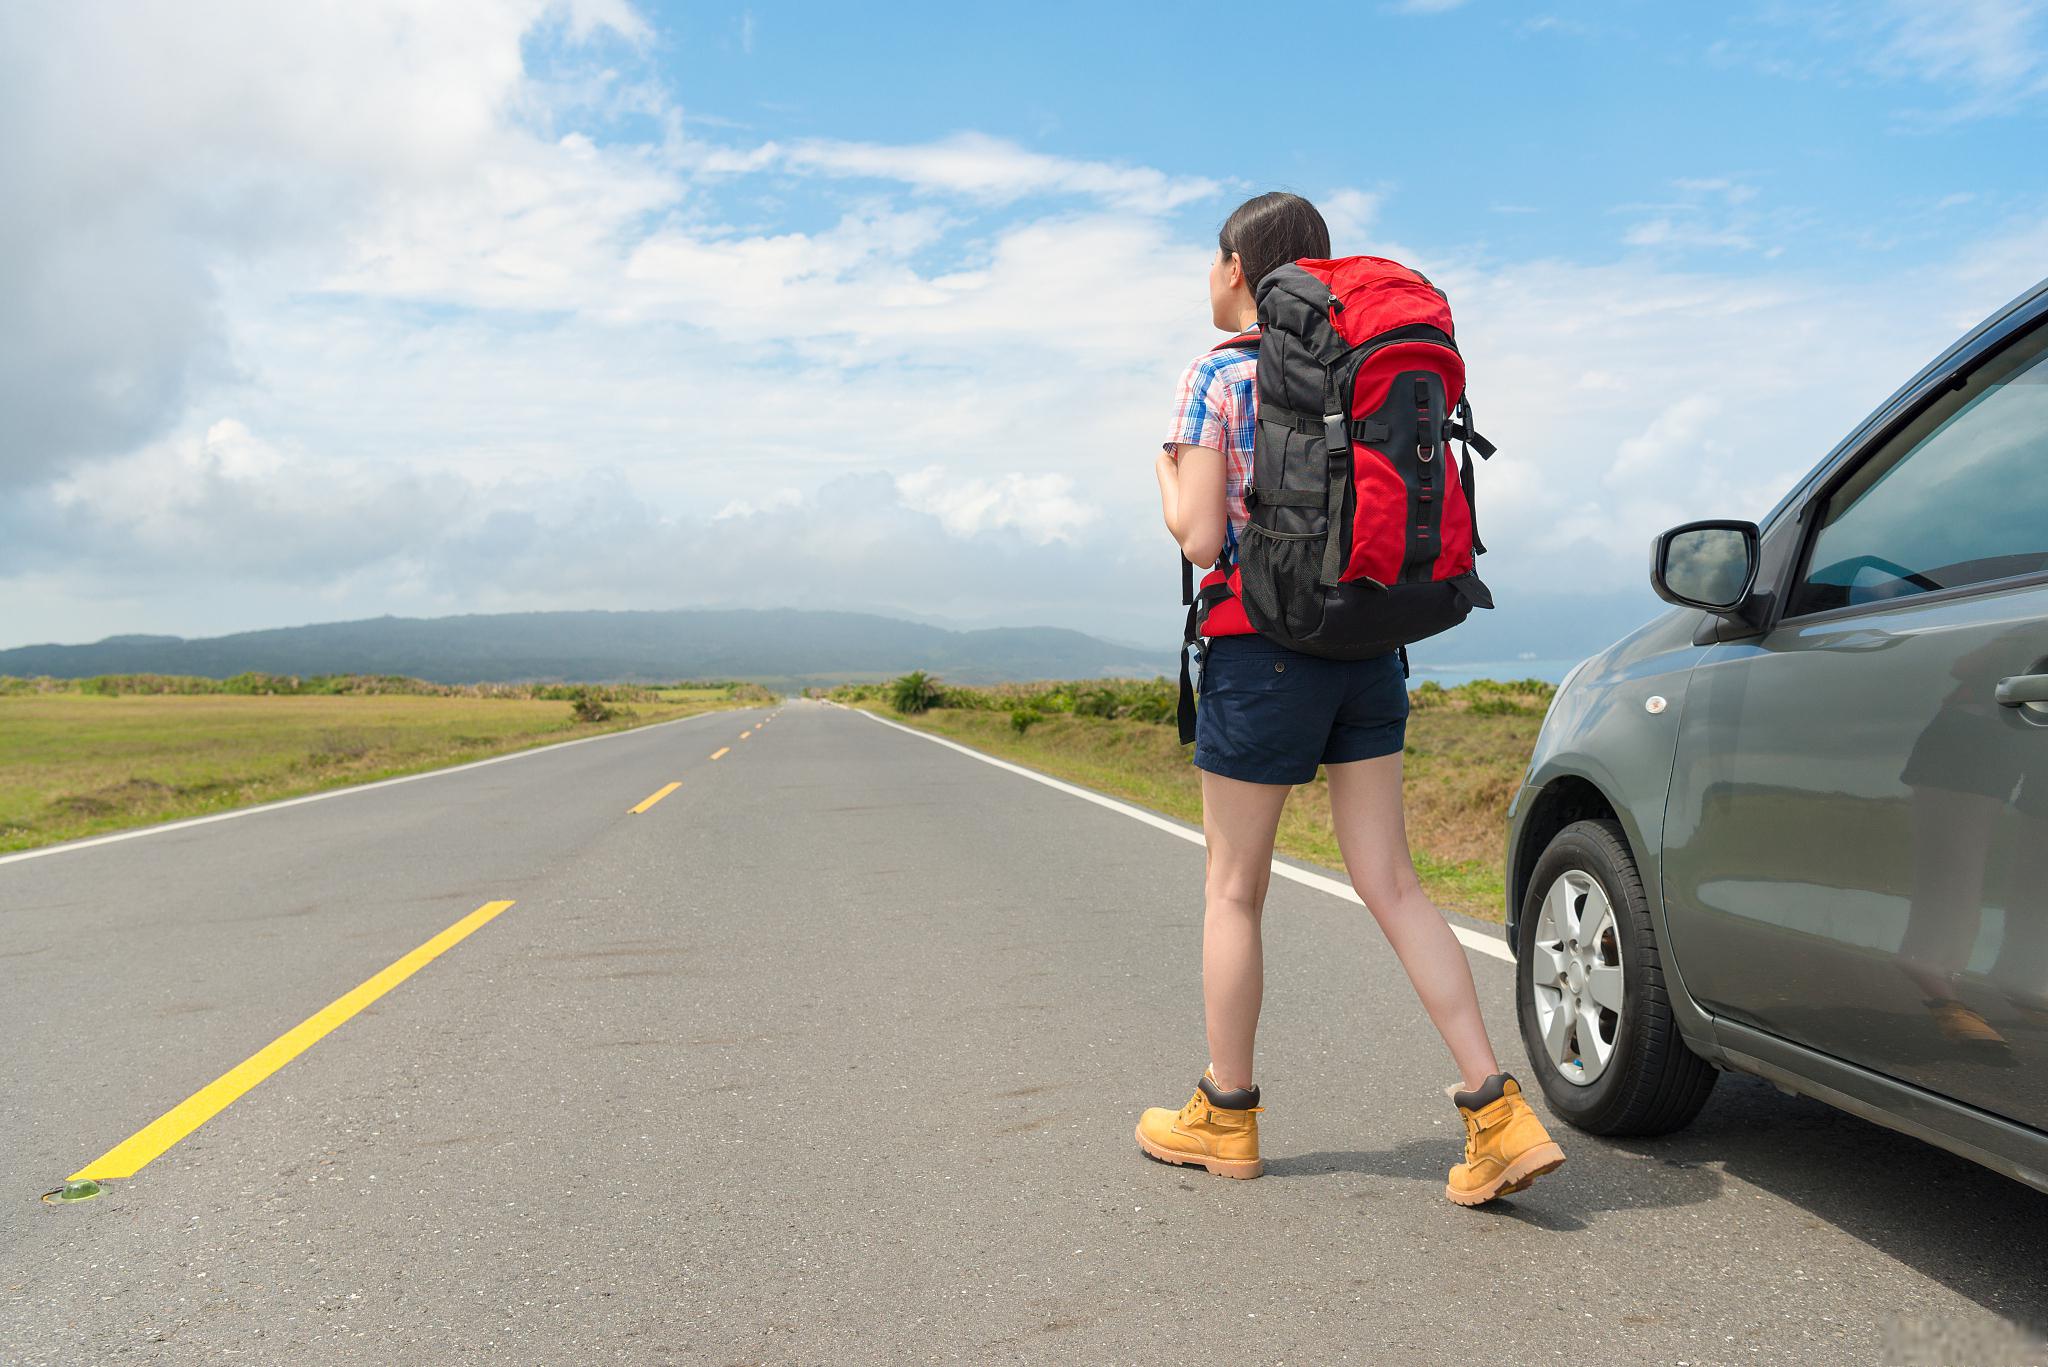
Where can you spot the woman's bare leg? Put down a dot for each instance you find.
(1372, 833)
(1239, 820)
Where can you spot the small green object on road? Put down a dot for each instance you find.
(78, 1189)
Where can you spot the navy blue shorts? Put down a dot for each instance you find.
(1268, 714)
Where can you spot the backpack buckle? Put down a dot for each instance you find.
(1337, 431)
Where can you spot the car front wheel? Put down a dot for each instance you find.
(1589, 992)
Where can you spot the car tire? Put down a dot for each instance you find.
(1647, 1081)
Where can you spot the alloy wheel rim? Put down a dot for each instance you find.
(1575, 969)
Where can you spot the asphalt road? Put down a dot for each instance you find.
(833, 1054)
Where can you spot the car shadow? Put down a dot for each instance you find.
(1981, 1235)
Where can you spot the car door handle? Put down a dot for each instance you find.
(2022, 689)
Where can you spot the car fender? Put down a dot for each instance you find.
(1614, 726)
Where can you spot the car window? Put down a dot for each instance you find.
(1959, 497)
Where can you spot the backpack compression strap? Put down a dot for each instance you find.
(1468, 437)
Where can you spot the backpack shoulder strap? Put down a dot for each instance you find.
(1244, 341)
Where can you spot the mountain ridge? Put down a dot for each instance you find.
(789, 645)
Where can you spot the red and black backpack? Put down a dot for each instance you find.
(1362, 532)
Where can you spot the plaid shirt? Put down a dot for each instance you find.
(1218, 406)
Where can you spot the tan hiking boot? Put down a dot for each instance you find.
(1217, 1130)
(1506, 1146)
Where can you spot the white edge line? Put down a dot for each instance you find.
(1476, 941)
(68, 846)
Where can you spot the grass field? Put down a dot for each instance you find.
(1467, 748)
(75, 762)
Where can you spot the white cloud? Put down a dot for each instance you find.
(1676, 442)
(997, 171)
(778, 501)
(1668, 232)
(1043, 507)
(1630, 396)
(134, 179)
(1733, 191)
(1995, 47)
(1350, 216)
(246, 532)
(1990, 270)
(1713, 213)
(465, 350)
(1553, 23)
(1979, 58)
(553, 468)
(227, 504)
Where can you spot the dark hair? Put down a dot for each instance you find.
(1271, 230)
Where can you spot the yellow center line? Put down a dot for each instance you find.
(654, 799)
(138, 1150)
(745, 734)
(721, 752)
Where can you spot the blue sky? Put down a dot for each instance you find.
(1532, 132)
(1852, 139)
(502, 304)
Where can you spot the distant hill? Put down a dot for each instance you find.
(778, 646)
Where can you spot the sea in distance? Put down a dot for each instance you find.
(1450, 675)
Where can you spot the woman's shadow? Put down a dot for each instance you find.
(1570, 1202)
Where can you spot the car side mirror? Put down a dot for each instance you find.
(1710, 565)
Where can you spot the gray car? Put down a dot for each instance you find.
(1797, 826)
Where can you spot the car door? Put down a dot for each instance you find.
(1857, 833)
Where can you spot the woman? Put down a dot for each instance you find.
(1268, 717)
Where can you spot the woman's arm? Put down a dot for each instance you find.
(1191, 498)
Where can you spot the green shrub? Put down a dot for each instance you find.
(257, 684)
(915, 692)
(1097, 702)
(589, 705)
(1022, 719)
(971, 700)
(250, 684)
(1155, 701)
